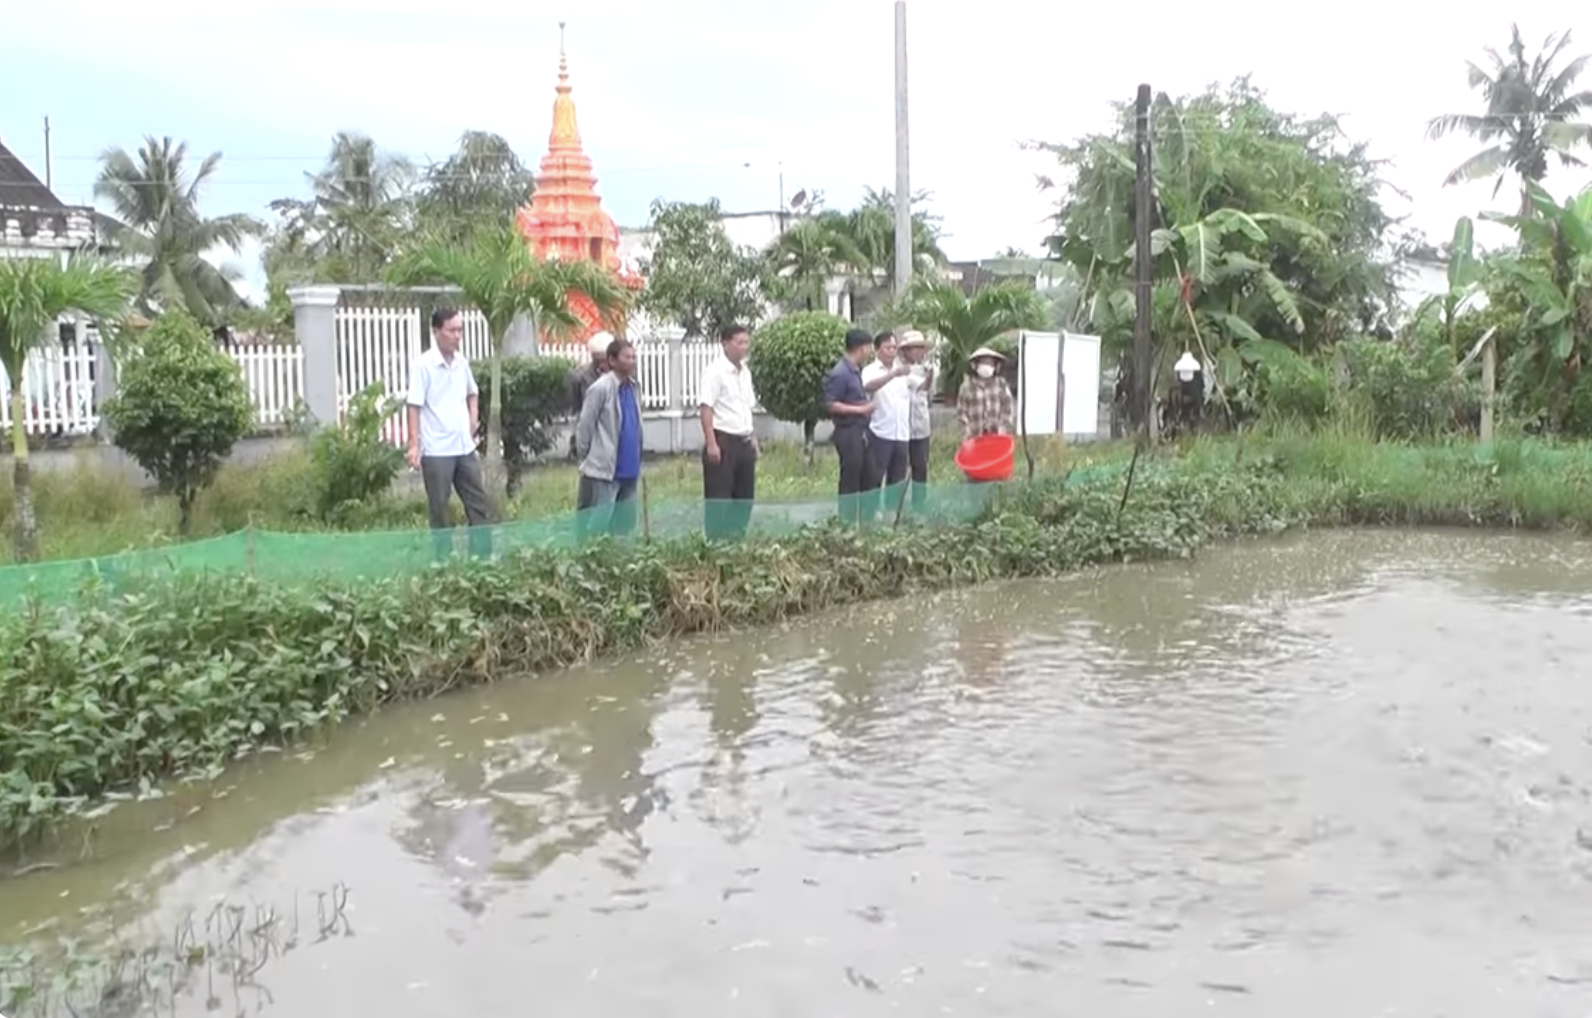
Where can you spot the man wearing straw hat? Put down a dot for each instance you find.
(984, 405)
(913, 349)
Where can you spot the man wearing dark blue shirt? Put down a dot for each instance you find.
(849, 407)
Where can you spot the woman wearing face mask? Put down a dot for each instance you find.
(984, 404)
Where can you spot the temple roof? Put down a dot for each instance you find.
(20, 189)
(565, 205)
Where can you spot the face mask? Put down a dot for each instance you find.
(985, 370)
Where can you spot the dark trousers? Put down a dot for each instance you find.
(889, 469)
(729, 487)
(444, 475)
(889, 460)
(918, 466)
(605, 507)
(857, 473)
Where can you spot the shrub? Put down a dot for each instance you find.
(1274, 381)
(789, 358)
(354, 462)
(181, 405)
(535, 398)
(1407, 387)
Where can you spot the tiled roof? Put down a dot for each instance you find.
(19, 188)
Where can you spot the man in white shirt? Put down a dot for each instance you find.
(890, 426)
(444, 416)
(729, 446)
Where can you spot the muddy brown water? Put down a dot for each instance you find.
(1341, 774)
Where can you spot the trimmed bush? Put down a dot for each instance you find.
(789, 358)
(181, 404)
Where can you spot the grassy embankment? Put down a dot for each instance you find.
(101, 696)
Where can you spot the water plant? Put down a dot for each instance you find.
(97, 971)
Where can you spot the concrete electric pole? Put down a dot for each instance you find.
(903, 159)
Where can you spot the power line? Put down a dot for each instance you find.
(529, 159)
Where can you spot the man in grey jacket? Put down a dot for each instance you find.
(608, 445)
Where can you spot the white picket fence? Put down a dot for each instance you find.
(274, 373)
(57, 391)
(378, 344)
(374, 344)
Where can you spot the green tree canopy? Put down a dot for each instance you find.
(697, 278)
(483, 181)
(1267, 226)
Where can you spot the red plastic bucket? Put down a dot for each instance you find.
(988, 458)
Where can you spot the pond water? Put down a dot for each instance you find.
(1341, 774)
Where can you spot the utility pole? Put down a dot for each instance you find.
(1141, 395)
(49, 168)
(903, 159)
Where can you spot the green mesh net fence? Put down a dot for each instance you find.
(303, 557)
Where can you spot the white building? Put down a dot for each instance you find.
(33, 221)
(1424, 277)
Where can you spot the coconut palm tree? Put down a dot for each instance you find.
(34, 293)
(1533, 112)
(813, 251)
(498, 276)
(354, 223)
(156, 224)
(483, 179)
(362, 201)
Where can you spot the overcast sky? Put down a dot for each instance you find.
(675, 99)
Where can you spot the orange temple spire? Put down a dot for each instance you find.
(565, 219)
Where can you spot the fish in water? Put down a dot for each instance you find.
(469, 852)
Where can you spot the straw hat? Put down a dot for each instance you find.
(982, 352)
(599, 342)
(910, 338)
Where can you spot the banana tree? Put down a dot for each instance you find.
(813, 251)
(1226, 284)
(1464, 283)
(34, 293)
(1553, 269)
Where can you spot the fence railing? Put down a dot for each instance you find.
(57, 390)
(378, 342)
(343, 347)
(274, 373)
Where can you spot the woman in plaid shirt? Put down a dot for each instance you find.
(984, 405)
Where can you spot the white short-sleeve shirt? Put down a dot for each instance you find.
(727, 390)
(892, 405)
(442, 389)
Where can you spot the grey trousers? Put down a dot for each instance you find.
(444, 475)
(605, 507)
